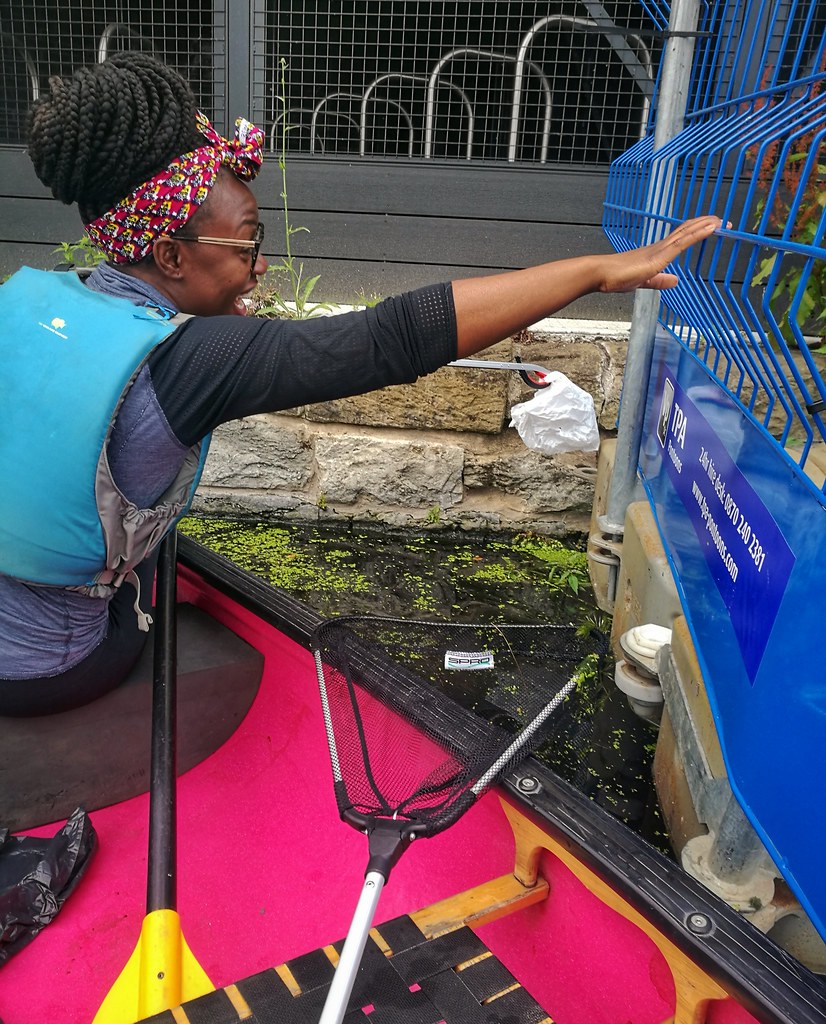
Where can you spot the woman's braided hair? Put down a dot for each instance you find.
(108, 128)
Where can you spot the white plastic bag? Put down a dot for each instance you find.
(558, 418)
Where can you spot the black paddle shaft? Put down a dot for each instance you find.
(160, 887)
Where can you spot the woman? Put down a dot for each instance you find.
(165, 198)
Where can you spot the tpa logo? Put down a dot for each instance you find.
(55, 326)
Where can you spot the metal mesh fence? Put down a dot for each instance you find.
(489, 80)
(751, 304)
(39, 38)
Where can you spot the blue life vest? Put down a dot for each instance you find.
(68, 357)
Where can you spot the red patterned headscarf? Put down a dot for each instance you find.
(160, 206)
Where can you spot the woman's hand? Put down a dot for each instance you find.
(643, 268)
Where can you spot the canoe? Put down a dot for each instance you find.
(536, 905)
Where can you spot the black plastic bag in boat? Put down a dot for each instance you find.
(36, 876)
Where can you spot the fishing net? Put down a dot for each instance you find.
(423, 717)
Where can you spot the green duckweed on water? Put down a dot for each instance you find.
(274, 554)
(525, 579)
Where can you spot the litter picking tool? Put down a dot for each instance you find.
(421, 719)
(532, 374)
(161, 973)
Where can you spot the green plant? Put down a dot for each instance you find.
(805, 200)
(567, 569)
(273, 553)
(363, 299)
(79, 254)
(561, 578)
(587, 670)
(294, 302)
(594, 622)
(433, 516)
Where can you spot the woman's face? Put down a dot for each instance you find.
(212, 280)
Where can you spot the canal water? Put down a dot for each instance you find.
(595, 742)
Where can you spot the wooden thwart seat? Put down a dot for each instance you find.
(98, 754)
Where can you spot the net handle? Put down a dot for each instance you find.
(335, 1006)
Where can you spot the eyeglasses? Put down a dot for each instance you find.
(253, 243)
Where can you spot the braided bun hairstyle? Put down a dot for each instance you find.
(108, 128)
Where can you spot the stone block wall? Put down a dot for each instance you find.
(438, 453)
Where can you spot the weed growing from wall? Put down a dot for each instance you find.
(293, 300)
(81, 254)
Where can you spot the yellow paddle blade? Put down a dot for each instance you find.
(161, 973)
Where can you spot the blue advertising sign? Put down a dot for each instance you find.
(744, 530)
(747, 555)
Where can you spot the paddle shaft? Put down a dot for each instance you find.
(160, 888)
(161, 973)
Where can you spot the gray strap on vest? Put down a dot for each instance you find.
(145, 620)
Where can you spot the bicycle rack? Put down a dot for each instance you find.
(392, 103)
(280, 117)
(361, 126)
(588, 24)
(28, 60)
(316, 111)
(505, 58)
(412, 78)
(113, 29)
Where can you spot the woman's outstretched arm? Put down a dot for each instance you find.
(489, 309)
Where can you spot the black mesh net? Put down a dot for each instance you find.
(423, 717)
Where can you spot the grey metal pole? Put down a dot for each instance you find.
(671, 107)
(335, 1005)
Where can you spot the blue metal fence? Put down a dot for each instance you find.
(751, 302)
